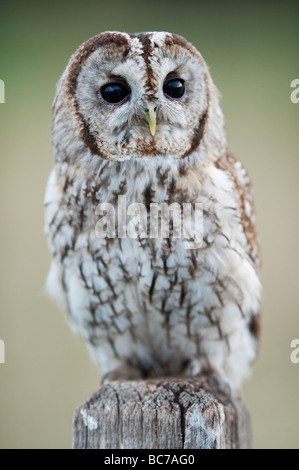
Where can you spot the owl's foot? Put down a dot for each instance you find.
(124, 372)
(210, 374)
(222, 384)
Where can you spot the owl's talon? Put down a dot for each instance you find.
(191, 370)
(158, 371)
(223, 385)
(104, 376)
(195, 371)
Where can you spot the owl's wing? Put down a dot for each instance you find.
(244, 192)
(55, 229)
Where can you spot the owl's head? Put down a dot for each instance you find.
(133, 95)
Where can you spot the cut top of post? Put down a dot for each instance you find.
(162, 414)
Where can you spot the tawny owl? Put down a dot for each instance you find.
(137, 123)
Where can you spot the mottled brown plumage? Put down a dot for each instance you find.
(147, 303)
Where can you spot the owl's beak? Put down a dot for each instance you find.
(151, 117)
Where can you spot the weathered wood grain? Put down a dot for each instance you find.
(162, 414)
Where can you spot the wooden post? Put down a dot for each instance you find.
(160, 413)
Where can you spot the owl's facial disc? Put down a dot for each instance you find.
(140, 95)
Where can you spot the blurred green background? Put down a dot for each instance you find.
(252, 52)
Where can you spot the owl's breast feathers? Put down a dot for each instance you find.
(117, 289)
(72, 196)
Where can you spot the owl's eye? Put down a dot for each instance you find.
(174, 88)
(114, 93)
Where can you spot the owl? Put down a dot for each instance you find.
(137, 124)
